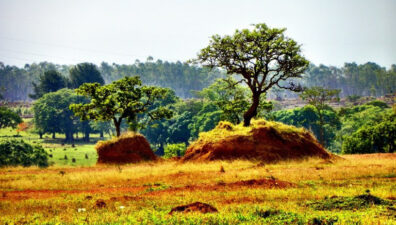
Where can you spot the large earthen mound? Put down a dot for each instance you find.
(263, 141)
(128, 148)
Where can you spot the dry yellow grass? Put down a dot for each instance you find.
(149, 190)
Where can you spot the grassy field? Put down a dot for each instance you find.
(145, 193)
(304, 192)
(83, 153)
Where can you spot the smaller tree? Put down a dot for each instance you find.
(318, 96)
(377, 137)
(52, 113)
(50, 81)
(122, 99)
(8, 118)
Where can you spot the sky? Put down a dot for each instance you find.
(331, 32)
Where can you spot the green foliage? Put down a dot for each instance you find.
(353, 79)
(373, 137)
(50, 81)
(172, 150)
(232, 99)
(308, 118)
(8, 118)
(206, 119)
(123, 99)
(17, 152)
(370, 119)
(378, 103)
(262, 56)
(84, 73)
(52, 113)
(317, 97)
(353, 98)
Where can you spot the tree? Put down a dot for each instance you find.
(264, 57)
(318, 96)
(8, 118)
(52, 113)
(123, 99)
(84, 73)
(308, 117)
(18, 152)
(233, 99)
(50, 81)
(373, 138)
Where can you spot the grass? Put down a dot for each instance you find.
(148, 191)
(83, 153)
(226, 129)
(145, 193)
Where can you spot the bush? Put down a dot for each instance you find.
(373, 138)
(17, 152)
(172, 150)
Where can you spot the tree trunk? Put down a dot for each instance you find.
(321, 129)
(252, 111)
(117, 124)
(86, 137)
(69, 136)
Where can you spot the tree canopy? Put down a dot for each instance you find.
(50, 81)
(52, 113)
(8, 118)
(126, 99)
(318, 97)
(84, 73)
(264, 58)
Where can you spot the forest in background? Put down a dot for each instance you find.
(369, 79)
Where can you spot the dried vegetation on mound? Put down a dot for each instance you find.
(128, 148)
(266, 141)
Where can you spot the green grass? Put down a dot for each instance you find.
(83, 153)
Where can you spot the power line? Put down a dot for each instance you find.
(71, 47)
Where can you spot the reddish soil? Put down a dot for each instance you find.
(263, 143)
(261, 183)
(43, 194)
(128, 149)
(194, 207)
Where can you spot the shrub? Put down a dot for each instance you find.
(17, 152)
(373, 138)
(172, 150)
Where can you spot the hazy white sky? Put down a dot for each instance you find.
(71, 31)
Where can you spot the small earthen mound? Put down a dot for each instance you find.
(264, 183)
(264, 141)
(128, 148)
(100, 203)
(194, 207)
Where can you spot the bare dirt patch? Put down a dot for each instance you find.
(194, 207)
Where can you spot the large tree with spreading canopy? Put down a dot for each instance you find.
(263, 56)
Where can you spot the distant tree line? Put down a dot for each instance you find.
(20, 84)
(368, 79)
